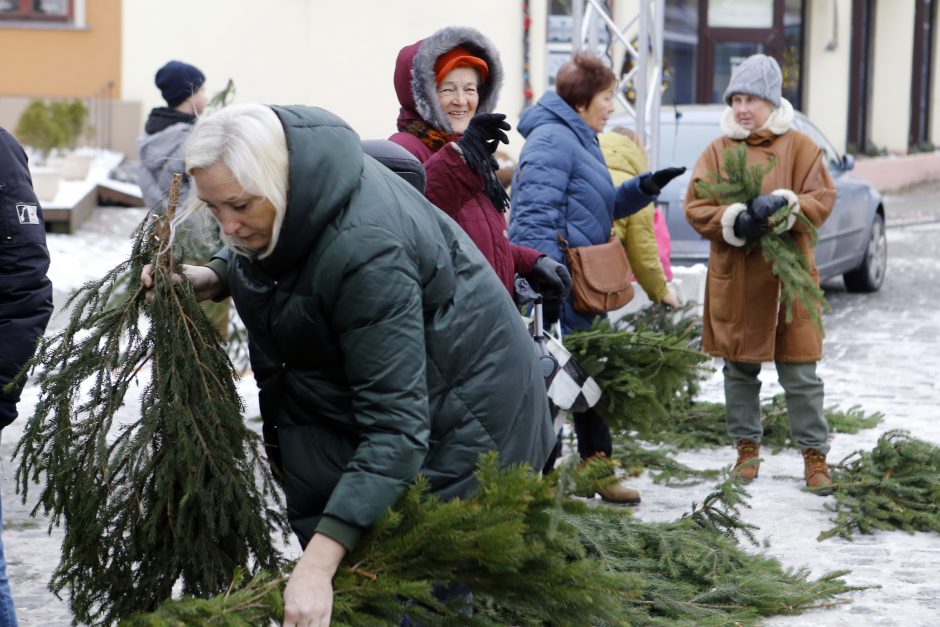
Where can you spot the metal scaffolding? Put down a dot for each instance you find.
(642, 41)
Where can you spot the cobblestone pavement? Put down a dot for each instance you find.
(882, 352)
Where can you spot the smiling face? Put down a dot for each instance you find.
(750, 111)
(245, 218)
(458, 97)
(599, 110)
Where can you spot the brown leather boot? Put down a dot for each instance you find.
(816, 471)
(747, 450)
(619, 494)
(613, 492)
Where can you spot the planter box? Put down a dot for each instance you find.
(75, 166)
(45, 182)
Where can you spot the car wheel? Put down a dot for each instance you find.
(869, 276)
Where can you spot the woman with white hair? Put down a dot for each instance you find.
(380, 339)
(744, 321)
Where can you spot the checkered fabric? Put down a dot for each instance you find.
(570, 387)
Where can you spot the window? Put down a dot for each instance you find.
(36, 10)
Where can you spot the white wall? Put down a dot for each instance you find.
(334, 54)
(891, 82)
(826, 71)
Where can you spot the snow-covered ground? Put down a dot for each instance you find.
(882, 353)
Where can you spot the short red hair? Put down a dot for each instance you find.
(582, 78)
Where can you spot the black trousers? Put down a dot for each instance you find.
(593, 436)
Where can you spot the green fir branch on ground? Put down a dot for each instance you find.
(739, 182)
(896, 485)
(644, 375)
(635, 456)
(181, 493)
(532, 555)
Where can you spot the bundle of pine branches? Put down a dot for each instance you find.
(644, 375)
(531, 555)
(896, 485)
(180, 493)
(739, 182)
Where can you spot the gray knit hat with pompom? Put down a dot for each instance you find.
(758, 75)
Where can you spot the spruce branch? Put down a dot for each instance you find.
(178, 493)
(896, 485)
(644, 375)
(532, 555)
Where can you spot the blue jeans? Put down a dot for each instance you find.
(7, 609)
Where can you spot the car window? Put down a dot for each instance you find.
(832, 156)
(682, 144)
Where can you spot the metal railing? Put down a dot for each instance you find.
(645, 75)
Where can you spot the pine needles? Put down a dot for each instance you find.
(532, 555)
(894, 486)
(644, 375)
(739, 182)
(180, 493)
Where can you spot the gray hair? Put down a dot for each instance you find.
(248, 139)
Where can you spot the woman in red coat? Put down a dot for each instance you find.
(447, 86)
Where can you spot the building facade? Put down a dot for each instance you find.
(863, 70)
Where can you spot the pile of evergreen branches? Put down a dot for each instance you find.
(894, 486)
(532, 555)
(644, 375)
(181, 493)
(739, 182)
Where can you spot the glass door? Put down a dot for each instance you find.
(732, 30)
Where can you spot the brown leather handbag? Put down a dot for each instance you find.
(600, 276)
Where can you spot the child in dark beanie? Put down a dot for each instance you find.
(167, 129)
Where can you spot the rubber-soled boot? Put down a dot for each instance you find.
(747, 450)
(613, 492)
(816, 471)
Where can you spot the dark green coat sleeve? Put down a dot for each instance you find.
(379, 320)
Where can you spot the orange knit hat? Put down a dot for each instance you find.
(459, 57)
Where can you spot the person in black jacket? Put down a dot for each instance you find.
(25, 296)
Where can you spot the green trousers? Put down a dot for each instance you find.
(803, 390)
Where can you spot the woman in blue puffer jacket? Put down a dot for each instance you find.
(562, 187)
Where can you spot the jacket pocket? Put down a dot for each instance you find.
(799, 310)
(722, 296)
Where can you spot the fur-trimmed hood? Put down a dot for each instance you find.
(415, 83)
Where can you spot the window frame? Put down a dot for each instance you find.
(29, 14)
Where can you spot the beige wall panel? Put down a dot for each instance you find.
(826, 67)
(891, 84)
(338, 55)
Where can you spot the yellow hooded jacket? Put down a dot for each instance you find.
(625, 159)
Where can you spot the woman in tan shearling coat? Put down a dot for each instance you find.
(744, 321)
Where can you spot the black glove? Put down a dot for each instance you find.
(484, 133)
(479, 141)
(551, 311)
(655, 182)
(550, 279)
(747, 225)
(766, 205)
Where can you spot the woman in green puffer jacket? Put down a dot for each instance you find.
(383, 344)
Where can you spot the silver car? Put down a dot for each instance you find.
(852, 241)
